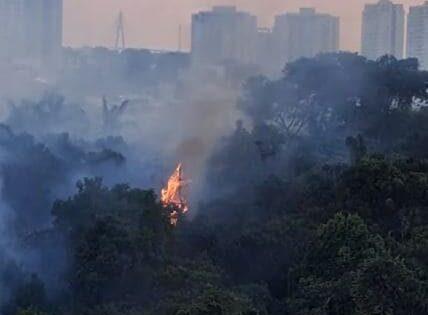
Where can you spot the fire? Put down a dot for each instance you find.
(174, 195)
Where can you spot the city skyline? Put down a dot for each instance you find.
(160, 30)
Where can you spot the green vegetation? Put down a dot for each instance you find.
(319, 208)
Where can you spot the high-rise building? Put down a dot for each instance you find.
(12, 28)
(45, 18)
(224, 34)
(265, 52)
(417, 34)
(31, 30)
(305, 34)
(383, 30)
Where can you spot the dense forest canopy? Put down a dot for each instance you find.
(317, 204)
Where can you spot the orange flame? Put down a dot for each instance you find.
(173, 194)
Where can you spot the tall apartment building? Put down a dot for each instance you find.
(383, 30)
(31, 30)
(45, 28)
(305, 34)
(266, 52)
(12, 28)
(417, 34)
(224, 34)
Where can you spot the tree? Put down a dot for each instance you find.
(117, 240)
(321, 284)
(349, 270)
(30, 295)
(384, 285)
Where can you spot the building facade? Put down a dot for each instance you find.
(417, 34)
(305, 34)
(31, 30)
(12, 28)
(224, 34)
(45, 28)
(383, 30)
(265, 52)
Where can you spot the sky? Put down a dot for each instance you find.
(155, 23)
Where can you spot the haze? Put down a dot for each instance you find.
(155, 23)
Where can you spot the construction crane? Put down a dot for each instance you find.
(120, 43)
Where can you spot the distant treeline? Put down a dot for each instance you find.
(129, 70)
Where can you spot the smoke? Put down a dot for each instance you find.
(49, 141)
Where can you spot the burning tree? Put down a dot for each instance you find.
(173, 194)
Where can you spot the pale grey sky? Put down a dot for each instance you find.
(154, 23)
